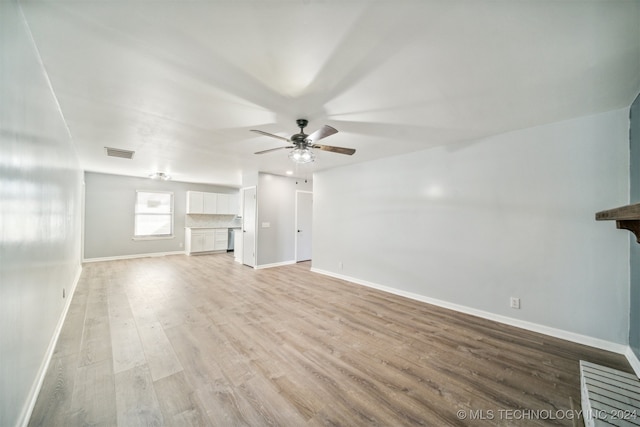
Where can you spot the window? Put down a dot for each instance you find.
(153, 215)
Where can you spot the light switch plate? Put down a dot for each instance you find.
(266, 224)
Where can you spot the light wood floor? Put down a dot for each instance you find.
(204, 341)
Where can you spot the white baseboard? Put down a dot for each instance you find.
(25, 415)
(633, 361)
(530, 326)
(277, 264)
(119, 257)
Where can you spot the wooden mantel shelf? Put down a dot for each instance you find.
(626, 217)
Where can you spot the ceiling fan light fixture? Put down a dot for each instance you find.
(303, 143)
(160, 175)
(302, 155)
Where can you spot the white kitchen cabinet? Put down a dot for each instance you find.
(199, 202)
(234, 204)
(202, 242)
(223, 204)
(228, 204)
(205, 240)
(209, 242)
(195, 202)
(210, 203)
(221, 239)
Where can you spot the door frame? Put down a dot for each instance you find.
(255, 226)
(295, 229)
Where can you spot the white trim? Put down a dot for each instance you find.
(633, 361)
(275, 264)
(535, 327)
(27, 410)
(118, 257)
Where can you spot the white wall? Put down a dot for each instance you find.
(109, 211)
(477, 223)
(40, 218)
(276, 206)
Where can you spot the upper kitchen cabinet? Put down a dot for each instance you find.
(234, 204)
(194, 202)
(228, 204)
(223, 203)
(199, 202)
(210, 203)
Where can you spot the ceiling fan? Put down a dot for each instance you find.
(303, 143)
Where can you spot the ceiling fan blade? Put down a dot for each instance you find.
(270, 134)
(323, 132)
(272, 149)
(340, 150)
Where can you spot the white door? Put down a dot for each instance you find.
(304, 212)
(249, 227)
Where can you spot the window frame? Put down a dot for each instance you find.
(171, 235)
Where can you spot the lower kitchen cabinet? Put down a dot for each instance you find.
(206, 240)
(221, 239)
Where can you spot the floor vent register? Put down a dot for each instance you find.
(609, 397)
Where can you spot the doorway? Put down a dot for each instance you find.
(304, 221)
(249, 205)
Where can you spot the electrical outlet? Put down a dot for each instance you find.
(515, 302)
(340, 265)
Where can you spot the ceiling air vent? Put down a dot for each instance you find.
(117, 152)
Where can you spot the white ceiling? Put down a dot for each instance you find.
(182, 82)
